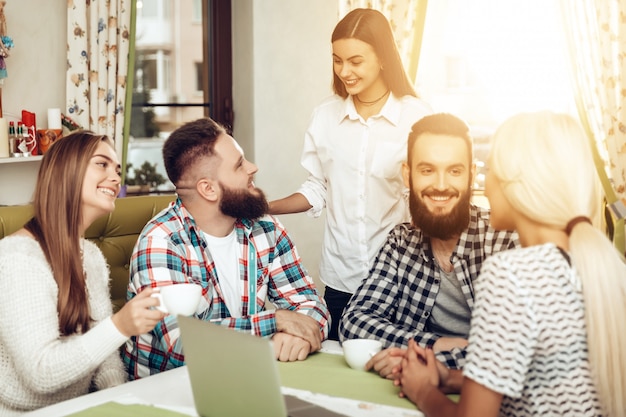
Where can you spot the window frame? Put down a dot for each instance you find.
(217, 75)
(216, 72)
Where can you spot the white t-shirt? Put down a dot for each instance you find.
(355, 171)
(528, 339)
(225, 254)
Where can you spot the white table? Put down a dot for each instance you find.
(169, 388)
(172, 390)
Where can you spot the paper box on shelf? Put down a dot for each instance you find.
(46, 137)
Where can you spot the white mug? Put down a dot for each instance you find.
(178, 299)
(357, 352)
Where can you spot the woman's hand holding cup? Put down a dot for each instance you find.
(138, 316)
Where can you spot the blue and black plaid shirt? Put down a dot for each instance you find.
(393, 304)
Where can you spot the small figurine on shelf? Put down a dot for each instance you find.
(6, 43)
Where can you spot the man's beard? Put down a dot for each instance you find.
(243, 204)
(442, 225)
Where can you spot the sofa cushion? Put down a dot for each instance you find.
(115, 234)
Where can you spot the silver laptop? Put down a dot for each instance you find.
(235, 374)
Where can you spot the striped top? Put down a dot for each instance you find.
(528, 339)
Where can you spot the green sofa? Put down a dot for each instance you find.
(114, 234)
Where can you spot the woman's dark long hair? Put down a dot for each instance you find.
(372, 27)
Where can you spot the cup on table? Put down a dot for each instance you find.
(357, 352)
(178, 299)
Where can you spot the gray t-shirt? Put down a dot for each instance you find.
(450, 316)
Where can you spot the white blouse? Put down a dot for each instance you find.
(355, 171)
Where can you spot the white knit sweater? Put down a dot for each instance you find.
(38, 366)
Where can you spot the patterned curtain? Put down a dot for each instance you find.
(596, 35)
(97, 58)
(407, 21)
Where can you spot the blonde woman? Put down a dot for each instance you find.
(547, 335)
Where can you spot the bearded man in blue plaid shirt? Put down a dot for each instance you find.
(216, 235)
(421, 284)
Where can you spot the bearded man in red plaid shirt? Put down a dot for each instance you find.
(217, 235)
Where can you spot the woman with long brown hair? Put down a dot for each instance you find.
(58, 336)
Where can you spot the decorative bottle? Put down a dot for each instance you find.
(13, 141)
(21, 145)
(5, 150)
(25, 143)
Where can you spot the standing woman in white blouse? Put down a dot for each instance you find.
(58, 338)
(353, 151)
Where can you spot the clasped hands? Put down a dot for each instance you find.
(419, 371)
(297, 336)
(415, 368)
(386, 361)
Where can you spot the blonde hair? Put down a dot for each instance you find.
(545, 166)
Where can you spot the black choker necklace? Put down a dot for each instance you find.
(369, 103)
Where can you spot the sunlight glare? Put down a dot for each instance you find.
(505, 56)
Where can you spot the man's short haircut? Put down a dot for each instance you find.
(440, 124)
(189, 143)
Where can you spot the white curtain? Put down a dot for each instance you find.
(596, 35)
(97, 56)
(407, 22)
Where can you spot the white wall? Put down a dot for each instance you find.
(37, 64)
(282, 68)
(35, 82)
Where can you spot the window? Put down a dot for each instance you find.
(147, 8)
(152, 71)
(199, 76)
(197, 11)
(486, 60)
(180, 73)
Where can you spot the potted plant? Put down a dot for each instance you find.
(145, 178)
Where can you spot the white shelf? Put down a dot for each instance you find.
(17, 179)
(20, 159)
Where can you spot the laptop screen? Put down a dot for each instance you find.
(234, 374)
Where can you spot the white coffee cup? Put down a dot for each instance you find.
(358, 351)
(178, 299)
